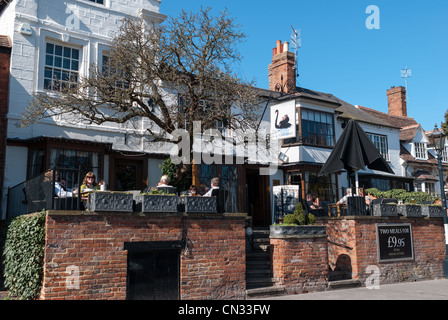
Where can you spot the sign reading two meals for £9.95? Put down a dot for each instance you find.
(394, 242)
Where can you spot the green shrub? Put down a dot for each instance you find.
(290, 219)
(402, 195)
(374, 192)
(23, 254)
(299, 217)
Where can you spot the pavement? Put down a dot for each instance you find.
(420, 290)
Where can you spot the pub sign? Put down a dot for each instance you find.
(394, 242)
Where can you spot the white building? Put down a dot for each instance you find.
(319, 122)
(63, 38)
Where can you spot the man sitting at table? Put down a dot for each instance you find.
(343, 200)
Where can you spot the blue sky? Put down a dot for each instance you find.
(340, 55)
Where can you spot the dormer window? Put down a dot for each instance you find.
(420, 150)
(98, 1)
(445, 154)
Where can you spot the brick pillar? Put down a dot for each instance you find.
(300, 262)
(396, 97)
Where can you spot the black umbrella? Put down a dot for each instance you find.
(354, 151)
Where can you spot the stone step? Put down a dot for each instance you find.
(265, 292)
(259, 282)
(344, 284)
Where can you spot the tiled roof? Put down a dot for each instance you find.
(408, 133)
(395, 120)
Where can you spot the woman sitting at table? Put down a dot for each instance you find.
(88, 185)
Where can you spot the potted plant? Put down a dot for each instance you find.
(298, 224)
(197, 204)
(384, 209)
(432, 210)
(111, 201)
(409, 210)
(156, 201)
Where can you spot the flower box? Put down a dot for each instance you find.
(432, 211)
(156, 203)
(291, 231)
(384, 210)
(409, 210)
(193, 204)
(111, 201)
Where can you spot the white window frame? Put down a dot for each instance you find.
(52, 67)
(99, 2)
(381, 143)
(70, 41)
(420, 150)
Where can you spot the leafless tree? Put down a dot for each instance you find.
(173, 74)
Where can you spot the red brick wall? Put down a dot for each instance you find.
(354, 239)
(396, 97)
(213, 267)
(300, 264)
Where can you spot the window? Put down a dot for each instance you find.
(445, 154)
(65, 158)
(110, 71)
(430, 188)
(380, 143)
(420, 150)
(98, 1)
(61, 66)
(323, 187)
(317, 129)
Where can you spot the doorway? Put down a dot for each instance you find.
(128, 174)
(258, 193)
(152, 272)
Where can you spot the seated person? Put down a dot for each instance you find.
(88, 185)
(192, 191)
(343, 200)
(164, 181)
(368, 199)
(62, 191)
(214, 190)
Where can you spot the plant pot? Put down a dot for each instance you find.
(409, 210)
(110, 201)
(197, 204)
(432, 211)
(282, 231)
(384, 210)
(156, 203)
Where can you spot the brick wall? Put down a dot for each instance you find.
(212, 268)
(353, 247)
(300, 263)
(396, 97)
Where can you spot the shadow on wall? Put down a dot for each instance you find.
(342, 268)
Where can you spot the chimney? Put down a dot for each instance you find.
(396, 98)
(282, 75)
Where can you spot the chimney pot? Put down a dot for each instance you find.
(286, 46)
(279, 46)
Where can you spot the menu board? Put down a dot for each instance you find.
(394, 242)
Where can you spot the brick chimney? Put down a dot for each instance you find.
(396, 98)
(282, 75)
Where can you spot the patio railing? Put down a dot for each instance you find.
(46, 191)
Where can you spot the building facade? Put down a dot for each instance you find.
(53, 39)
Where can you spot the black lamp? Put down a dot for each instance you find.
(437, 140)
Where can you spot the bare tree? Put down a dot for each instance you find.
(173, 74)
